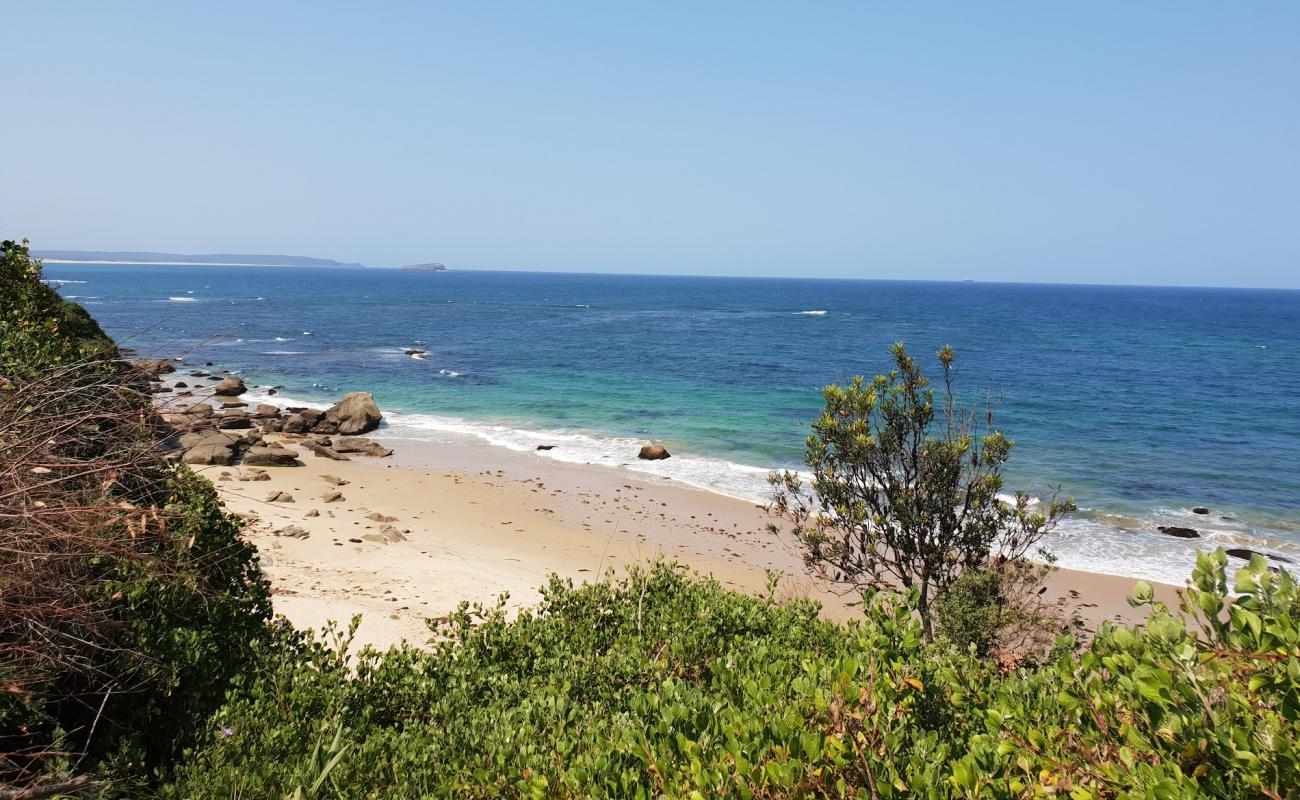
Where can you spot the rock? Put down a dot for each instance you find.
(266, 410)
(198, 374)
(208, 364)
(162, 390)
(209, 454)
(1245, 554)
(386, 535)
(323, 451)
(256, 475)
(654, 452)
(293, 532)
(208, 436)
(279, 497)
(231, 402)
(1180, 532)
(236, 421)
(362, 446)
(312, 513)
(230, 387)
(180, 384)
(377, 517)
(325, 427)
(545, 447)
(415, 351)
(270, 457)
(154, 367)
(1200, 510)
(273, 390)
(332, 496)
(273, 425)
(355, 413)
(201, 410)
(334, 480)
(303, 420)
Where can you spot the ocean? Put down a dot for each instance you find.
(1139, 402)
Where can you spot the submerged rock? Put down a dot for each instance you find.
(1179, 531)
(1200, 510)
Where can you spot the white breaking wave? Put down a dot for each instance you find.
(284, 353)
(450, 373)
(183, 299)
(281, 339)
(814, 313)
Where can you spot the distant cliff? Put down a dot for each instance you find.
(430, 267)
(133, 257)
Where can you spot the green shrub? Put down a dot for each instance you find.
(664, 685)
(127, 598)
(969, 613)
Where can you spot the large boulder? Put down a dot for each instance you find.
(230, 387)
(267, 411)
(654, 452)
(270, 457)
(355, 413)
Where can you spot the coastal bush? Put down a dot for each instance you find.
(661, 684)
(903, 496)
(127, 598)
(38, 329)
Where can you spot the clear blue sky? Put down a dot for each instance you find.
(1095, 142)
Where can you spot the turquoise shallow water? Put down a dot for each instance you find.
(1140, 402)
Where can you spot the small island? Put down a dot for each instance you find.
(432, 266)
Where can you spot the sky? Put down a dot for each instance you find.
(1100, 142)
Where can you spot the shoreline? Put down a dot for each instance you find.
(480, 521)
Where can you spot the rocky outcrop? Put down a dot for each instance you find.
(230, 387)
(654, 452)
(356, 413)
(1179, 531)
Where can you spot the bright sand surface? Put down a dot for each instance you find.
(480, 521)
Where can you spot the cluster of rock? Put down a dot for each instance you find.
(202, 434)
(1243, 553)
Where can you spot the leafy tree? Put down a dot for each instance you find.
(905, 492)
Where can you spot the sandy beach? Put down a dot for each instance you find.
(477, 522)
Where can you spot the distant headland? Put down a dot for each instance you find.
(218, 259)
(432, 266)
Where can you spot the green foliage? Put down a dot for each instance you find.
(128, 599)
(664, 685)
(38, 329)
(900, 495)
(969, 613)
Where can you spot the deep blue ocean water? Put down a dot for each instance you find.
(1139, 402)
